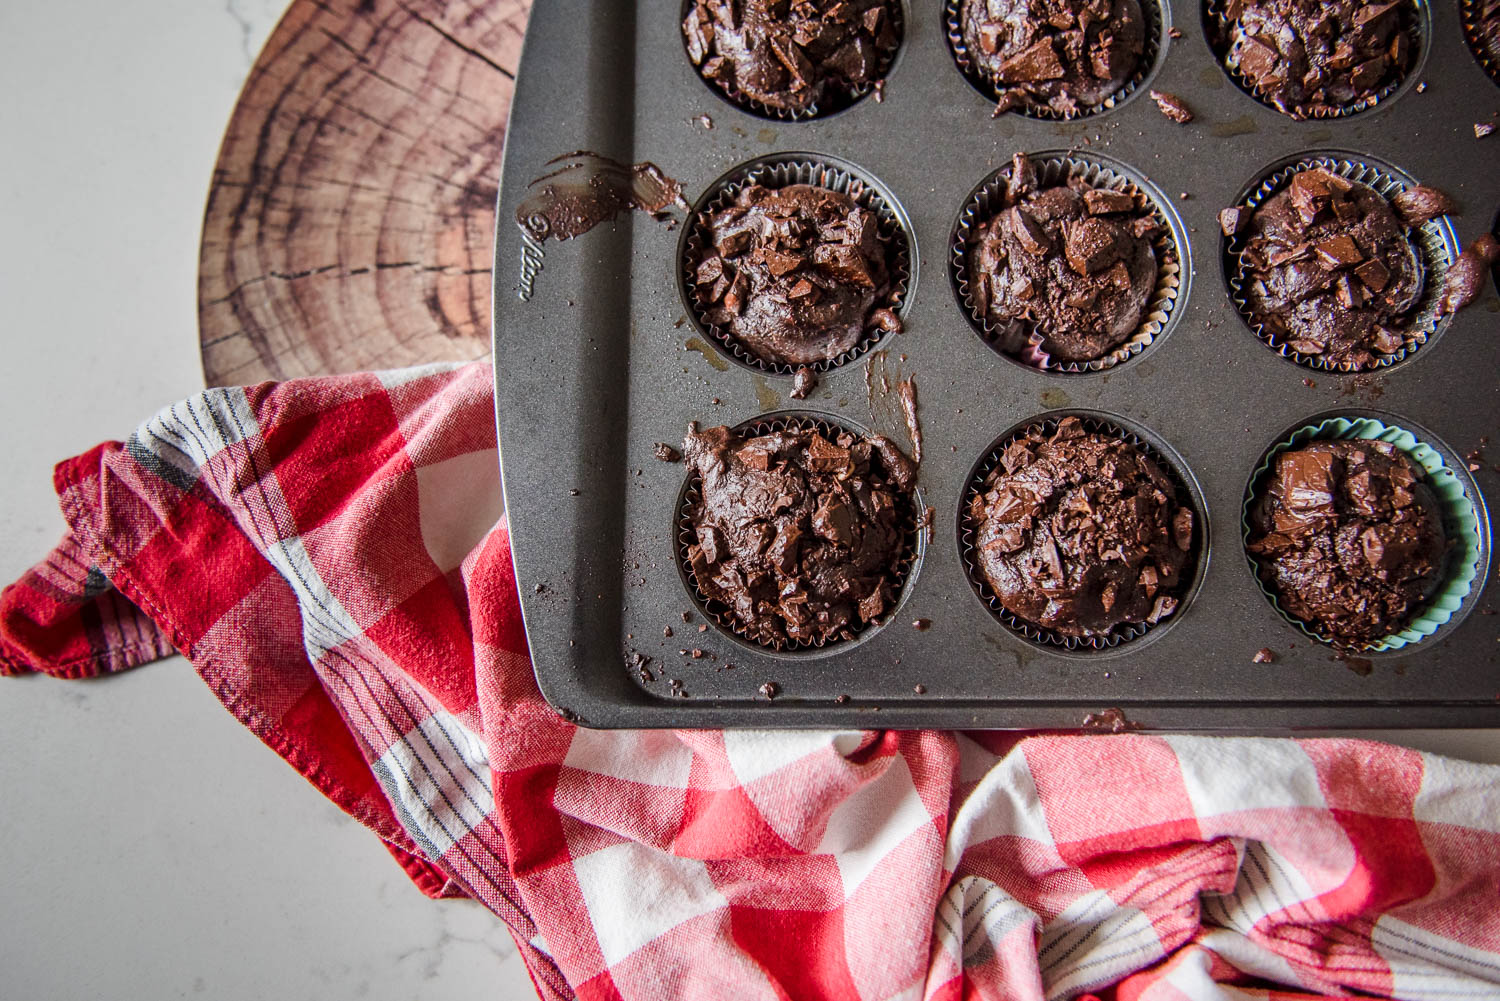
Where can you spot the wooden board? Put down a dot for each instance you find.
(351, 216)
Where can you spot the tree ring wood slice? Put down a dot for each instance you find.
(351, 217)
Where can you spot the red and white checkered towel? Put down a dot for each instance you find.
(325, 553)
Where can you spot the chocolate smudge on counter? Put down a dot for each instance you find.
(585, 189)
(906, 389)
(1110, 720)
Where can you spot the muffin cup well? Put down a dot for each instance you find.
(1186, 494)
(1468, 16)
(903, 573)
(1463, 524)
(1055, 167)
(1435, 242)
(779, 171)
(1419, 28)
(835, 99)
(1152, 47)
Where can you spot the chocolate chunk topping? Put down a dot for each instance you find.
(1232, 221)
(1070, 264)
(1062, 55)
(803, 383)
(791, 55)
(1421, 203)
(1079, 532)
(1172, 106)
(1331, 271)
(1315, 58)
(1465, 279)
(800, 537)
(1350, 537)
(796, 274)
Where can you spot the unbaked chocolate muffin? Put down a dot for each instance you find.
(1310, 57)
(1065, 55)
(1329, 269)
(1080, 532)
(795, 275)
(799, 537)
(1070, 262)
(790, 54)
(1349, 535)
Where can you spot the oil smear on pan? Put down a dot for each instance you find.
(578, 191)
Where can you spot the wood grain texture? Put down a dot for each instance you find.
(350, 221)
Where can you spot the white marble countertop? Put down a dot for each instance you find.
(149, 846)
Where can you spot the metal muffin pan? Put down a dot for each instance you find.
(602, 359)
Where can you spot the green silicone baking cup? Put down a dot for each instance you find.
(1460, 523)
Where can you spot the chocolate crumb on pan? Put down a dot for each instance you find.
(1067, 264)
(793, 59)
(1054, 59)
(1339, 264)
(791, 263)
(1265, 655)
(1172, 106)
(1481, 27)
(1077, 534)
(794, 532)
(1323, 59)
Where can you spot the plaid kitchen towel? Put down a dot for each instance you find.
(326, 553)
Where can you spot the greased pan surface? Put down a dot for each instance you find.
(602, 359)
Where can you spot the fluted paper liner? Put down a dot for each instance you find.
(901, 574)
(1055, 168)
(779, 171)
(1421, 31)
(968, 531)
(1434, 240)
(1460, 525)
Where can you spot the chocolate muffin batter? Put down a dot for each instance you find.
(1350, 537)
(799, 537)
(790, 54)
(1064, 55)
(1072, 263)
(1311, 57)
(1080, 532)
(1329, 269)
(796, 275)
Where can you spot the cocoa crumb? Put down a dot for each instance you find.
(1172, 106)
(770, 689)
(921, 625)
(1264, 656)
(665, 452)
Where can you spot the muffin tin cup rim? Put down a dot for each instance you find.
(1118, 639)
(874, 195)
(1463, 515)
(847, 97)
(1173, 279)
(1157, 14)
(1421, 33)
(1468, 11)
(907, 566)
(1435, 242)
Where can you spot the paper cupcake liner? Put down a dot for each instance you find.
(968, 531)
(1468, 16)
(1461, 523)
(1419, 28)
(1155, 29)
(1055, 167)
(779, 171)
(835, 98)
(1435, 242)
(720, 615)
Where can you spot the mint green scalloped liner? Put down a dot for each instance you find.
(1460, 523)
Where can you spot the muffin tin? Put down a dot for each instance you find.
(598, 357)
